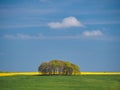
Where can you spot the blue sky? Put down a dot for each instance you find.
(84, 32)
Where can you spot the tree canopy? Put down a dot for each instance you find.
(58, 67)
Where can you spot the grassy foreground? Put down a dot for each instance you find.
(83, 82)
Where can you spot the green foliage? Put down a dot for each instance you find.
(89, 82)
(58, 67)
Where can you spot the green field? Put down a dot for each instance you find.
(83, 82)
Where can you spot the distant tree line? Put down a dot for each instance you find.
(58, 67)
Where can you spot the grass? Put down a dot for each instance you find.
(83, 82)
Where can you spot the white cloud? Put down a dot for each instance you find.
(66, 23)
(92, 33)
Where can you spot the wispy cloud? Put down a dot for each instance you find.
(27, 11)
(24, 36)
(38, 37)
(94, 33)
(23, 25)
(66, 23)
(86, 35)
(103, 22)
(10, 16)
(94, 12)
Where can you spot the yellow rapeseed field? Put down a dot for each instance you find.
(19, 73)
(38, 73)
(100, 73)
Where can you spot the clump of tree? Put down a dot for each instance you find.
(58, 67)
